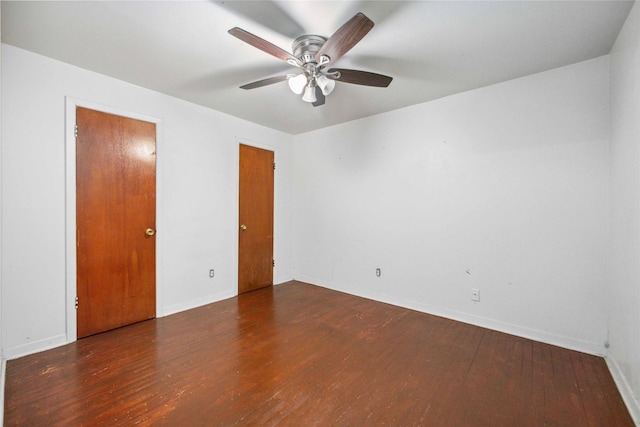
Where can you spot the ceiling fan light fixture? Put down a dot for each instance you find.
(326, 84)
(309, 94)
(311, 55)
(297, 83)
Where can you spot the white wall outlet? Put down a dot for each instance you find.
(475, 294)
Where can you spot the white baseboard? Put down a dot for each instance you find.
(198, 302)
(633, 405)
(59, 340)
(508, 328)
(284, 279)
(35, 347)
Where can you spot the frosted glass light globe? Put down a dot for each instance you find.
(297, 83)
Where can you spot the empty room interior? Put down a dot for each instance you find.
(320, 213)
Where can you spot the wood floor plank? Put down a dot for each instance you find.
(297, 354)
(602, 387)
(568, 395)
(594, 415)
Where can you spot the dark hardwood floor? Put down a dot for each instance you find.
(302, 355)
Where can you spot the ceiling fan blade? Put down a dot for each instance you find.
(262, 44)
(265, 82)
(345, 38)
(319, 98)
(361, 77)
(268, 13)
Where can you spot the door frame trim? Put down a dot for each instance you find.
(70, 205)
(242, 141)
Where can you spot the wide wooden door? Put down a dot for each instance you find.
(115, 221)
(255, 258)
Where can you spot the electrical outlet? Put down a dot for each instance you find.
(475, 294)
(378, 272)
(211, 273)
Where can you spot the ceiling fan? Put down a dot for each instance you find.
(312, 54)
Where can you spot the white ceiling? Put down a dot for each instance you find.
(431, 48)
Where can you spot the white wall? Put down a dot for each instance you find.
(197, 195)
(2, 360)
(503, 188)
(624, 285)
(1, 348)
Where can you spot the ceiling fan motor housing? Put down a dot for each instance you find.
(306, 47)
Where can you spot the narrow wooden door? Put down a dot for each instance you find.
(255, 257)
(115, 221)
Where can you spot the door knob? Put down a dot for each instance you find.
(150, 232)
(243, 227)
